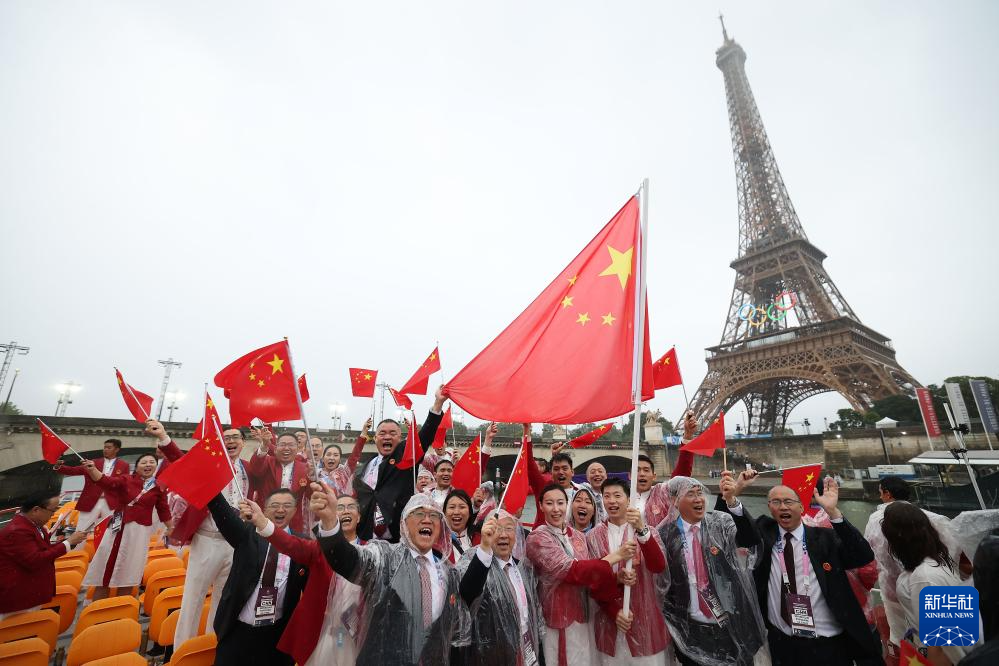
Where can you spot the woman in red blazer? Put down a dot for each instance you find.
(121, 555)
(311, 637)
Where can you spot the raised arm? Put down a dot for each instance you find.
(227, 520)
(300, 550)
(535, 478)
(69, 470)
(685, 460)
(429, 428)
(355, 454)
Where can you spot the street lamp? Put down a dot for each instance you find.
(66, 392)
(336, 411)
(173, 397)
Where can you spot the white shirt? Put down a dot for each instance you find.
(438, 495)
(286, 472)
(248, 615)
(825, 623)
(371, 471)
(694, 606)
(516, 582)
(109, 466)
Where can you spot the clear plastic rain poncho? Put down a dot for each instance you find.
(391, 629)
(970, 527)
(497, 637)
(729, 577)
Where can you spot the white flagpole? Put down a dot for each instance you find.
(637, 352)
(515, 463)
(306, 512)
(225, 452)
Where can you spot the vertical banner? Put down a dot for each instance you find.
(956, 400)
(986, 410)
(929, 414)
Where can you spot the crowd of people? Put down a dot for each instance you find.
(312, 558)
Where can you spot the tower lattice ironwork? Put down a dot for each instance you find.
(790, 334)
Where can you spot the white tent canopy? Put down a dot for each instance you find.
(886, 423)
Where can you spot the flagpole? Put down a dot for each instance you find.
(638, 353)
(225, 452)
(785, 469)
(416, 472)
(507, 489)
(306, 512)
(132, 393)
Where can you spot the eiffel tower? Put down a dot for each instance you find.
(790, 334)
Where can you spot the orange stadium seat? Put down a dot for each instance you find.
(75, 555)
(204, 614)
(123, 659)
(69, 578)
(161, 564)
(168, 600)
(168, 629)
(197, 651)
(158, 553)
(41, 623)
(159, 582)
(64, 603)
(25, 652)
(104, 640)
(186, 556)
(106, 610)
(89, 547)
(71, 565)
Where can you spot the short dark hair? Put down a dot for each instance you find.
(332, 446)
(38, 499)
(279, 491)
(911, 536)
(285, 434)
(443, 461)
(388, 421)
(554, 486)
(614, 481)
(897, 487)
(542, 464)
(146, 455)
(463, 496)
(114, 442)
(562, 457)
(644, 458)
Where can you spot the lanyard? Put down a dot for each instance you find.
(805, 564)
(688, 551)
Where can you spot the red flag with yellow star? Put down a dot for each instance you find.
(568, 357)
(412, 443)
(417, 384)
(139, 404)
(515, 495)
(362, 382)
(400, 400)
(211, 416)
(590, 437)
(440, 437)
(802, 480)
(708, 441)
(910, 656)
(201, 473)
(260, 385)
(467, 473)
(666, 371)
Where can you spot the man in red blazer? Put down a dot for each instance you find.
(27, 558)
(280, 467)
(93, 505)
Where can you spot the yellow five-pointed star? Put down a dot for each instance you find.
(260, 383)
(583, 318)
(209, 404)
(620, 265)
(572, 280)
(567, 301)
(276, 364)
(432, 356)
(252, 376)
(367, 375)
(809, 477)
(666, 360)
(914, 661)
(608, 319)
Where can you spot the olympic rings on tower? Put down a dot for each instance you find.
(757, 315)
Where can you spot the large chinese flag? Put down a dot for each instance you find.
(417, 384)
(467, 473)
(362, 382)
(802, 480)
(568, 357)
(260, 385)
(52, 445)
(515, 495)
(440, 437)
(400, 400)
(412, 442)
(211, 416)
(139, 404)
(708, 441)
(590, 437)
(666, 371)
(201, 473)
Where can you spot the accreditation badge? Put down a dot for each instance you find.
(265, 610)
(799, 607)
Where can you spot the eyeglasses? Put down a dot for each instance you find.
(694, 492)
(340, 508)
(423, 515)
(509, 529)
(286, 507)
(232, 438)
(786, 502)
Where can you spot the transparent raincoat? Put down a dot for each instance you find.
(497, 635)
(742, 628)
(391, 630)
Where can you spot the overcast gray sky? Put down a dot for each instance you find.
(195, 179)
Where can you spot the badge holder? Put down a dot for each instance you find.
(799, 608)
(116, 521)
(709, 596)
(265, 610)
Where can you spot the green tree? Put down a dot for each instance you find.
(899, 407)
(10, 409)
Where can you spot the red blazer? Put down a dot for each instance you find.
(91, 491)
(27, 565)
(265, 477)
(126, 488)
(301, 635)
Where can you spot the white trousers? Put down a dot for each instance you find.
(580, 645)
(88, 519)
(207, 566)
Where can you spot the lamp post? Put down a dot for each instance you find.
(173, 397)
(336, 411)
(66, 392)
(3, 410)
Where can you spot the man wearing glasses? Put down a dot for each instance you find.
(811, 612)
(280, 468)
(211, 557)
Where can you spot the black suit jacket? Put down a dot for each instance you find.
(394, 486)
(830, 553)
(248, 557)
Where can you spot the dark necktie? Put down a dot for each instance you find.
(270, 567)
(792, 583)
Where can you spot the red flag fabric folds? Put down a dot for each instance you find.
(802, 480)
(260, 385)
(362, 382)
(910, 656)
(590, 437)
(515, 495)
(708, 441)
(467, 473)
(412, 442)
(200, 474)
(417, 384)
(211, 413)
(52, 445)
(303, 389)
(400, 399)
(568, 357)
(666, 371)
(139, 404)
(440, 437)
(100, 528)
